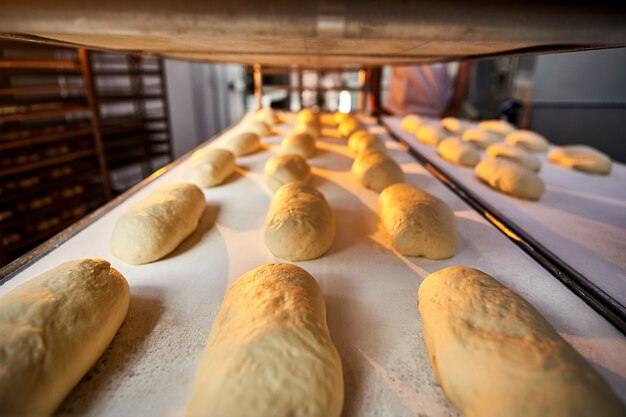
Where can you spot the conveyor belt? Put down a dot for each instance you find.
(370, 293)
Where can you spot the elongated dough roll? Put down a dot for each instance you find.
(411, 122)
(418, 223)
(501, 127)
(301, 143)
(431, 134)
(300, 224)
(256, 126)
(348, 126)
(581, 158)
(53, 328)
(375, 170)
(515, 154)
(307, 116)
(267, 115)
(481, 138)
(241, 143)
(455, 126)
(270, 352)
(527, 139)
(495, 355)
(155, 226)
(312, 128)
(510, 178)
(458, 152)
(209, 167)
(362, 140)
(284, 169)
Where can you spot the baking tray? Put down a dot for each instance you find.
(370, 292)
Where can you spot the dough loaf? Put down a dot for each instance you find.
(270, 352)
(348, 126)
(362, 140)
(339, 117)
(481, 138)
(430, 134)
(209, 167)
(454, 126)
(528, 140)
(53, 328)
(312, 128)
(302, 144)
(307, 116)
(376, 170)
(510, 178)
(458, 152)
(241, 143)
(581, 158)
(284, 169)
(155, 226)
(300, 224)
(267, 115)
(411, 122)
(515, 154)
(418, 223)
(256, 126)
(501, 127)
(495, 355)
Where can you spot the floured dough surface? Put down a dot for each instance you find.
(581, 158)
(270, 352)
(307, 116)
(53, 328)
(300, 224)
(431, 134)
(258, 127)
(242, 143)
(362, 140)
(495, 355)
(527, 139)
(480, 137)
(348, 126)
(510, 178)
(312, 128)
(458, 152)
(209, 167)
(418, 223)
(299, 143)
(455, 126)
(155, 226)
(375, 170)
(411, 122)
(514, 153)
(267, 115)
(284, 169)
(500, 127)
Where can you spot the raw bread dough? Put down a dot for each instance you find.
(515, 154)
(458, 152)
(375, 170)
(454, 126)
(241, 143)
(501, 127)
(284, 169)
(510, 178)
(582, 158)
(256, 126)
(300, 224)
(411, 122)
(209, 167)
(155, 226)
(431, 134)
(494, 355)
(362, 140)
(270, 352)
(418, 223)
(307, 116)
(302, 144)
(528, 140)
(53, 328)
(267, 115)
(481, 138)
(339, 117)
(348, 126)
(312, 128)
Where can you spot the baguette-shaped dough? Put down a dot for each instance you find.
(53, 328)
(481, 138)
(500, 127)
(514, 153)
(411, 122)
(431, 134)
(510, 178)
(209, 167)
(155, 226)
(300, 143)
(375, 170)
(458, 152)
(581, 158)
(242, 143)
(270, 352)
(418, 223)
(529, 140)
(312, 128)
(455, 126)
(362, 140)
(300, 224)
(348, 126)
(267, 115)
(284, 169)
(256, 126)
(495, 355)
(307, 116)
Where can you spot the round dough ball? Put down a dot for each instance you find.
(258, 127)
(481, 138)
(458, 152)
(209, 167)
(302, 144)
(529, 140)
(515, 154)
(312, 128)
(411, 122)
(242, 143)
(306, 116)
(362, 140)
(284, 169)
(510, 178)
(418, 223)
(376, 171)
(454, 125)
(267, 115)
(501, 127)
(430, 134)
(582, 158)
(300, 224)
(349, 126)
